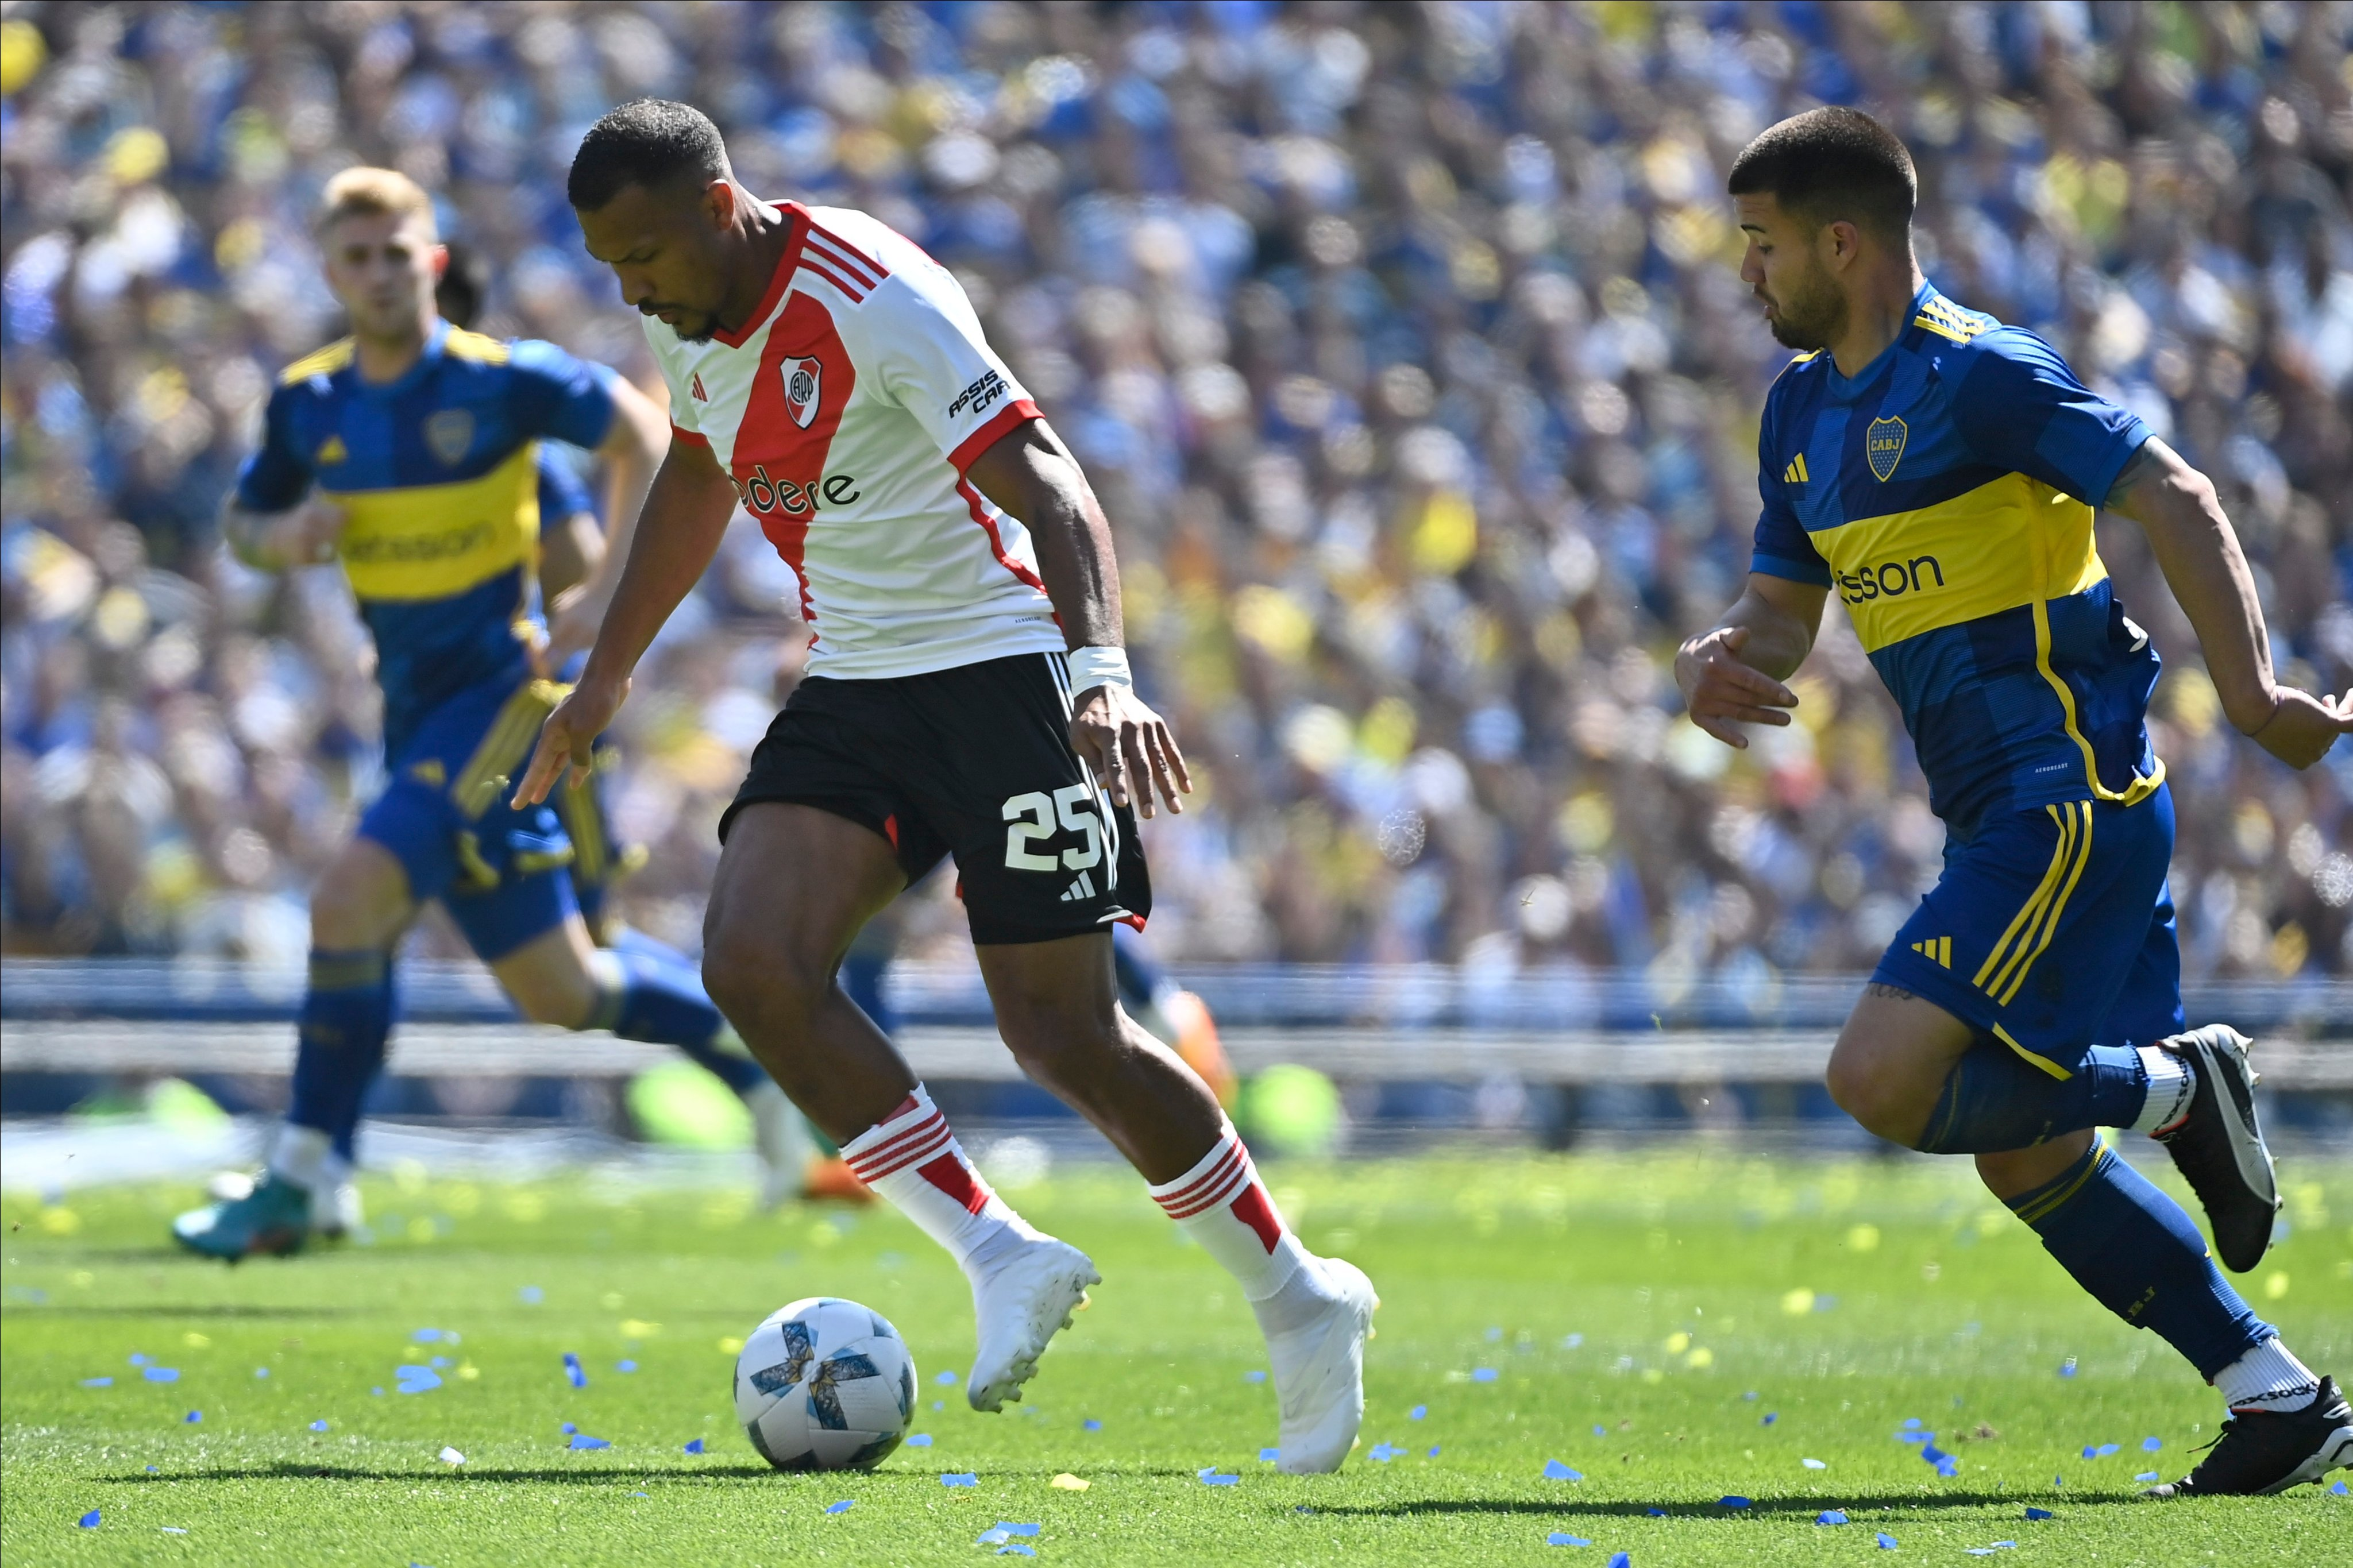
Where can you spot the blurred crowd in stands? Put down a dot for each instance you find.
(1403, 342)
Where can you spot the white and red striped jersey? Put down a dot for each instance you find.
(847, 411)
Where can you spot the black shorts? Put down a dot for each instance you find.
(973, 761)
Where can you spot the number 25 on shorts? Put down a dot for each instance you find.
(1032, 817)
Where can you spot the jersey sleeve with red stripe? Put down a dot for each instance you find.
(932, 358)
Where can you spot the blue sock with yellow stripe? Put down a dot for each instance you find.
(1995, 1099)
(652, 994)
(345, 1020)
(2140, 1256)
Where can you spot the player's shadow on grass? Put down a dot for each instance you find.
(1901, 1503)
(586, 1475)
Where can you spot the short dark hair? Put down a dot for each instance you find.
(644, 143)
(1833, 164)
(465, 284)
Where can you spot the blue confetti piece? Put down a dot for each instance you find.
(1570, 1341)
(572, 1373)
(89, 1520)
(1750, 1396)
(568, 1428)
(2104, 1449)
(2038, 1513)
(1254, 1376)
(618, 1366)
(693, 1445)
(1494, 1334)
(173, 1529)
(1211, 1478)
(377, 1392)
(1814, 1463)
(920, 1440)
(2342, 1489)
(97, 1382)
(1932, 1454)
(1433, 1450)
(1911, 1423)
(260, 1371)
(844, 1506)
(1989, 1550)
(1886, 1542)
(1825, 1303)
(438, 1360)
(531, 1294)
(1562, 1537)
(137, 1360)
(160, 1373)
(2066, 1369)
(421, 1380)
(964, 1478)
(426, 1336)
(582, 1440)
(1916, 1436)
(2089, 1451)
(2151, 1444)
(1622, 1560)
(1555, 1470)
(1268, 1456)
(1015, 1549)
(944, 1378)
(319, 1426)
(2056, 1482)
(1484, 1375)
(1600, 1431)
(1418, 1413)
(1385, 1452)
(1090, 1426)
(192, 1417)
(2146, 1476)
(1770, 1417)
(1735, 1502)
(1656, 1513)
(1831, 1516)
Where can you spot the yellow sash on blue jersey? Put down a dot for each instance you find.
(431, 542)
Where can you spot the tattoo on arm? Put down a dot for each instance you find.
(1888, 992)
(2140, 465)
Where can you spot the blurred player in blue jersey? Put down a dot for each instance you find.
(1937, 471)
(409, 451)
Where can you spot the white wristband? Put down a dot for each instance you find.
(1093, 667)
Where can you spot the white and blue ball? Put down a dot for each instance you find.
(824, 1385)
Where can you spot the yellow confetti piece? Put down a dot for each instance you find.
(731, 1345)
(1797, 1302)
(196, 1342)
(1068, 1482)
(639, 1329)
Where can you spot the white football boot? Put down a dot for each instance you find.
(782, 1141)
(1019, 1298)
(1319, 1373)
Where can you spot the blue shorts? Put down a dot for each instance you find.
(2051, 930)
(500, 872)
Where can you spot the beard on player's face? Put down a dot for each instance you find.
(1808, 311)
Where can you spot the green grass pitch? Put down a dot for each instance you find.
(1736, 1317)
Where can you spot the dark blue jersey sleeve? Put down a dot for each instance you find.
(1783, 549)
(561, 493)
(2016, 406)
(276, 477)
(558, 396)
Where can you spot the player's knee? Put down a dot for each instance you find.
(564, 1006)
(1861, 1087)
(777, 991)
(1057, 1039)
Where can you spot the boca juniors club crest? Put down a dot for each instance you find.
(1883, 444)
(804, 383)
(448, 432)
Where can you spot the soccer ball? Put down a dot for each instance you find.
(824, 1385)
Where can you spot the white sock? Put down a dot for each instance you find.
(1221, 1203)
(299, 1156)
(911, 1159)
(2267, 1377)
(2172, 1084)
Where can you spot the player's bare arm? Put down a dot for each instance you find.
(2196, 548)
(1030, 473)
(632, 450)
(304, 535)
(684, 518)
(1732, 673)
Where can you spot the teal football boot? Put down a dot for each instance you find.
(273, 1218)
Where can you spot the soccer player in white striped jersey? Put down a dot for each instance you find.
(967, 695)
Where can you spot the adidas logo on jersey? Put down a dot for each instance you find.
(1939, 948)
(696, 389)
(1794, 474)
(1080, 890)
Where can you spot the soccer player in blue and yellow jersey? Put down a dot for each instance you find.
(1938, 471)
(409, 452)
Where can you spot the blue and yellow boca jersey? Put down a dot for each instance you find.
(437, 473)
(1946, 495)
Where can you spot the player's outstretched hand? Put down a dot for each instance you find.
(1124, 740)
(1721, 691)
(570, 731)
(309, 534)
(572, 618)
(2303, 727)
